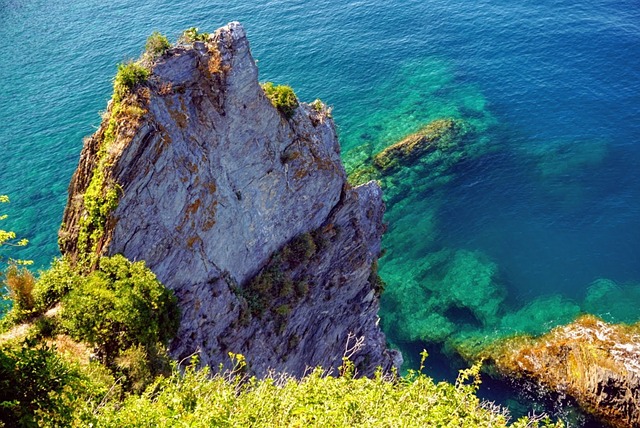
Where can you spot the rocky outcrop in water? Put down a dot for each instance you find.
(422, 161)
(244, 212)
(595, 363)
(441, 134)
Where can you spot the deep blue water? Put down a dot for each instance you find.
(553, 87)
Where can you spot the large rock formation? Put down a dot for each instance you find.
(245, 213)
(595, 363)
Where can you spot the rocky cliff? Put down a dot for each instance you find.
(242, 210)
(592, 362)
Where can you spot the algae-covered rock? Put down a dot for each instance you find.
(448, 293)
(441, 134)
(595, 363)
(437, 146)
(612, 301)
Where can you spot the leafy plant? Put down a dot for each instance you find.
(8, 238)
(282, 97)
(102, 194)
(129, 75)
(193, 35)
(195, 398)
(20, 283)
(55, 283)
(33, 380)
(157, 44)
(119, 306)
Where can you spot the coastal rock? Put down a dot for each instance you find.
(215, 189)
(440, 134)
(595, 363)
(421, 161)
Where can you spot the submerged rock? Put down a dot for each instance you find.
(243, 211)
(422, 161)
(441, 134)
(595, 363)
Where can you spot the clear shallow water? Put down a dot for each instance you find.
(547, 204)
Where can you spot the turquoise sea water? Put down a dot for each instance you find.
(537, 221)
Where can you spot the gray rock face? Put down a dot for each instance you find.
(213, 182)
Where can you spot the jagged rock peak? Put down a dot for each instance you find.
(243, 211)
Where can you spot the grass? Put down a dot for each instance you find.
(195, 398)
(129, 75)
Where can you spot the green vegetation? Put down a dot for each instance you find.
(55, 283)
(49, 374)
(375, 280)
(42, 386)
(34, 386)
(157, 44)
(193, 35)
(282, 97)
(19, 284)
(8, 238)
(119, 306)
(129, 75)
(197, 399)
(317, 105)
(123, 315)
(99, 202)
(102, 194)
(277, 284)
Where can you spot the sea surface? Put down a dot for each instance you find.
(536, 220)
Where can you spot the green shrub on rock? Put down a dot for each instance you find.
(54, 283)
(157, 44)
(119, 306)
(129, 75)
(193, 35)
(282, 97)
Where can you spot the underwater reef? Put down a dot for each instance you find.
(456, 299)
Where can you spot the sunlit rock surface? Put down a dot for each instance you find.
(213, 185)
(595, 363)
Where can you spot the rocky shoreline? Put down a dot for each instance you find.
(593, 363)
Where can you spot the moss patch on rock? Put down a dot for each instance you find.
(126, 112)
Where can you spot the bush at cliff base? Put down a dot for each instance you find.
(40, 387)
(195, 399)
(49, 379)
(119, 306)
